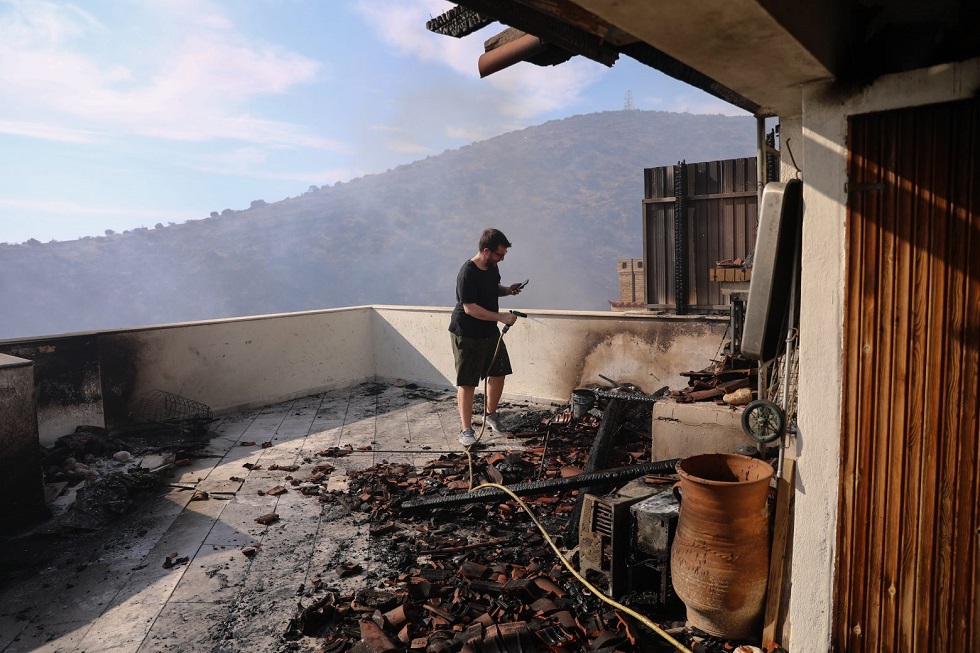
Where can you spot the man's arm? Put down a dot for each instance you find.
(480, 313)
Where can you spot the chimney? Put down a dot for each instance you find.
(632, 281)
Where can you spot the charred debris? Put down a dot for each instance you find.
(465, 571)
(469, 571)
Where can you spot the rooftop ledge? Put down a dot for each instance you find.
(97, 377)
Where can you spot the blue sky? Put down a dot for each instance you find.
(118, 114)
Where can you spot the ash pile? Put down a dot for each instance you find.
(94, 475)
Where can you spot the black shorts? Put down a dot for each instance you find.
(474, 356)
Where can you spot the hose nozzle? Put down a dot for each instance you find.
(518, 314)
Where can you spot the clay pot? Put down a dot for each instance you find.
(719, 560)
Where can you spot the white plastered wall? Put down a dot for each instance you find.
(820, 150)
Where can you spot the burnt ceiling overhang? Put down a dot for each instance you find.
(754, 54)
(738, 43)
(564, 30)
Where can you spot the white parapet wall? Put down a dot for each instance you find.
(237, 363)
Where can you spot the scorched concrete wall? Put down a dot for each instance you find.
(553, 352)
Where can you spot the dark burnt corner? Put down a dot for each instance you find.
(892, 37)
(120, 368)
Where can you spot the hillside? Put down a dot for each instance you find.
(567, 193)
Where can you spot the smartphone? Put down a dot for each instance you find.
(523, 284)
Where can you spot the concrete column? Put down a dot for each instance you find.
(21, 478)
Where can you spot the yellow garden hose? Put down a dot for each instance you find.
(619, 606)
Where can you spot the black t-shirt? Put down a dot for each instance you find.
(475, 286)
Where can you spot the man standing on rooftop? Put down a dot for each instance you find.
(475, 335)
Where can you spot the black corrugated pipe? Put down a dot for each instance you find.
(607, 477)
(760, 157)
(680, 238)
(772, 161)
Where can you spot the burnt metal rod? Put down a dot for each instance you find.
(627, 396)
(606, 477)
(615, 384)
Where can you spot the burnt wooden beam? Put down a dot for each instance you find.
(583, 19)
(554, 31)
(651, 56)
(458, 22)
(579, 31)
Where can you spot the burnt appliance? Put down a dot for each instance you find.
(625, 539)
(606, 536)
(654, 522)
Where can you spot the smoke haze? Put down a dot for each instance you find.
(567, 193)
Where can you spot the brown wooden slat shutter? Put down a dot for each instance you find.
(907, 557)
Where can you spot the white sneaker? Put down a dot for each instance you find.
(493, 422)
(467, 437)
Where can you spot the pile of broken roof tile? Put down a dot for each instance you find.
(469, 606)
(478, 578)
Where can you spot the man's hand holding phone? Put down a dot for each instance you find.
(515, 288)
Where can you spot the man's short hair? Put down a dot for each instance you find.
(492, 239)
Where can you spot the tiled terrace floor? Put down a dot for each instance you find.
(108, 590)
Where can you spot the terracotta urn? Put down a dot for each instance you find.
(719, 560)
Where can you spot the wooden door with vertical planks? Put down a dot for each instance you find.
(907, 545)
